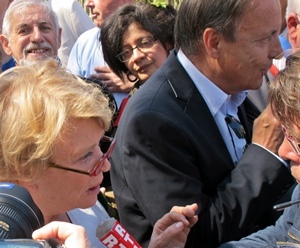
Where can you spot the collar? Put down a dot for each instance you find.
(216, 99)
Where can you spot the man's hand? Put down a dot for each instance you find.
(111, 80)
(173, 228)
(267, 131)
(72, 236)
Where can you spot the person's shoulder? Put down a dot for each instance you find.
(57, 4)
(92, 31)
(296, 192)
(86, 39)
(89, 34)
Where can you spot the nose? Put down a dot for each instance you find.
(276, 49)
(89, 3)
(137, 54)
(36, 36)
(286, 152)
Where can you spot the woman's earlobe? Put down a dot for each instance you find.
(131, 78)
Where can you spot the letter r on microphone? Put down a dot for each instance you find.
(113, 235)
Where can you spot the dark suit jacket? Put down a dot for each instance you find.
(170, 152)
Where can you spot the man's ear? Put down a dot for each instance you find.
(5, 44)
(292, 25)
(211, 39)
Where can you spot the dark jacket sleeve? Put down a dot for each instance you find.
(268, 237)
(158, 163)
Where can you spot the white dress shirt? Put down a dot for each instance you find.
(220, 104)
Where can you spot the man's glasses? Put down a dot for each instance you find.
(98, 165)
(143, 47)
(294, 144)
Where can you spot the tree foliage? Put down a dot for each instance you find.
(175, 3)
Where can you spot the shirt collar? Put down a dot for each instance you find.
(215, 98)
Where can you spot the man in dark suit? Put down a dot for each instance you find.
(180, 140)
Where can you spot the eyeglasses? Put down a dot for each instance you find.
(143, 47)
(98, 165)
(294, 144)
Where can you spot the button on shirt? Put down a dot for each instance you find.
(220, 104)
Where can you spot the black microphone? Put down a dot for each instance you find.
(30, 243)
(285, 205)
(113, 235)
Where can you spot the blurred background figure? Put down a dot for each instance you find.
(6, 61)
(74, 21)
(30, 32)
(86, 58)
(137, 39)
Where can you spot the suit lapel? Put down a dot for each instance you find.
(247, 113)
(193, 104)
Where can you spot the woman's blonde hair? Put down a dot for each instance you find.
(284, 93)
(35, 104)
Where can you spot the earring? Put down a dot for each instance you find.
(131, 78)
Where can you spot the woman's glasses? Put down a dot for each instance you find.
(143, 47)
(294, 144)
(98, 165)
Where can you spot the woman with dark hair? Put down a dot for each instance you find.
(137, 39)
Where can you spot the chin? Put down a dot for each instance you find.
(88, 203)
(256, 85)
(143, 78)
(32, 62)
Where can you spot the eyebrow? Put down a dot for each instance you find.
(23, 25)
(138, 41)
(77, 155)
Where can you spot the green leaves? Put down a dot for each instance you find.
(156, 3)
(159, 3)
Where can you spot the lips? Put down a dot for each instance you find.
(94, 190)
(142, 68)
(94, 15)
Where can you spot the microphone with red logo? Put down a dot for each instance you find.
(113, 235)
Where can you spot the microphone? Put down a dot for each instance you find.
(113, 235)
(284, 205)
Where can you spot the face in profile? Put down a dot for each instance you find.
(32, 36)
(143, 53)
(77, 148)
(101, 9)
(243, 63)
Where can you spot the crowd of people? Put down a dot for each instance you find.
(195, 161)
